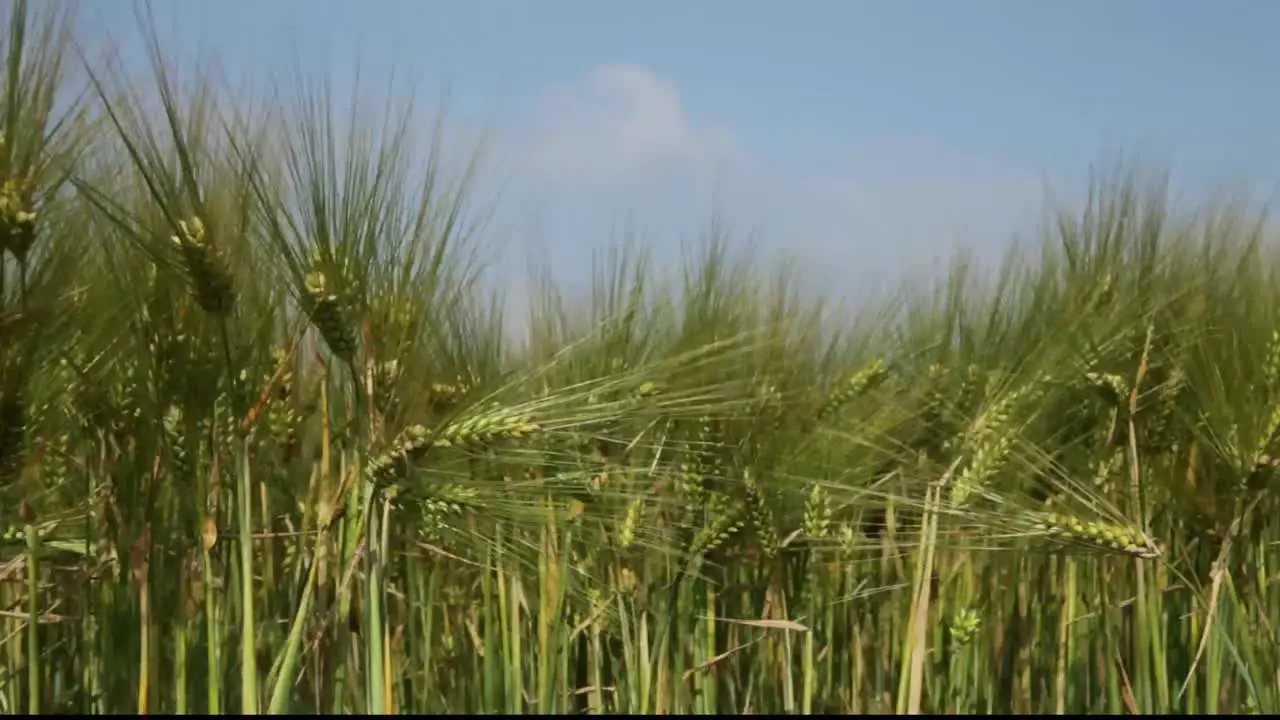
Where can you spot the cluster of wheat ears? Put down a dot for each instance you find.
(266, 445)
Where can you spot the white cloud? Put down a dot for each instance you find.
(621, 145)
(622, 124)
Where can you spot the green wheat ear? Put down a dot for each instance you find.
(853, 386)
(206, 268)
(444, 502)
(762, 517)
(478, 431)
(486, 428)
(630, 523)
(385, 376)
(817, 512)
(444, 397)
(17, 220)
(1098, 536)
(331, 310)
(282, 419)
(989, 442)
(1270, 391)
(648, 389)
(724, 520)
(964, 626)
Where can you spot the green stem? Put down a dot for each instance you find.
(289, 662)
(248, 637)
(33, 620)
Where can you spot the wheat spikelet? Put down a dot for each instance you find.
(723, 522)
(484, 429)
(647, 389)
(848, 540)
(481, 430)
(385, 376)
(689, 485)
(206, 268)
(971, 382)
(444, 397)
(330, 312)
(17, 220)
(1159, 429)
(706, 462)
(445, 501)
(630, 522)
(935, 412)
(172, 426)
(987, 459)
(964, 626)
(761, 516)
(1271, 391)
(817, 512)
(989, 442)
(1096, 535)
(1111, 387)
(396, 321)
(863, 380)
(1104, 471)
(412, 444)
(281, 419)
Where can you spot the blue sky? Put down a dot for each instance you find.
(868, 138)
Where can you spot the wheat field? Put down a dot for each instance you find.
(268, 445)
